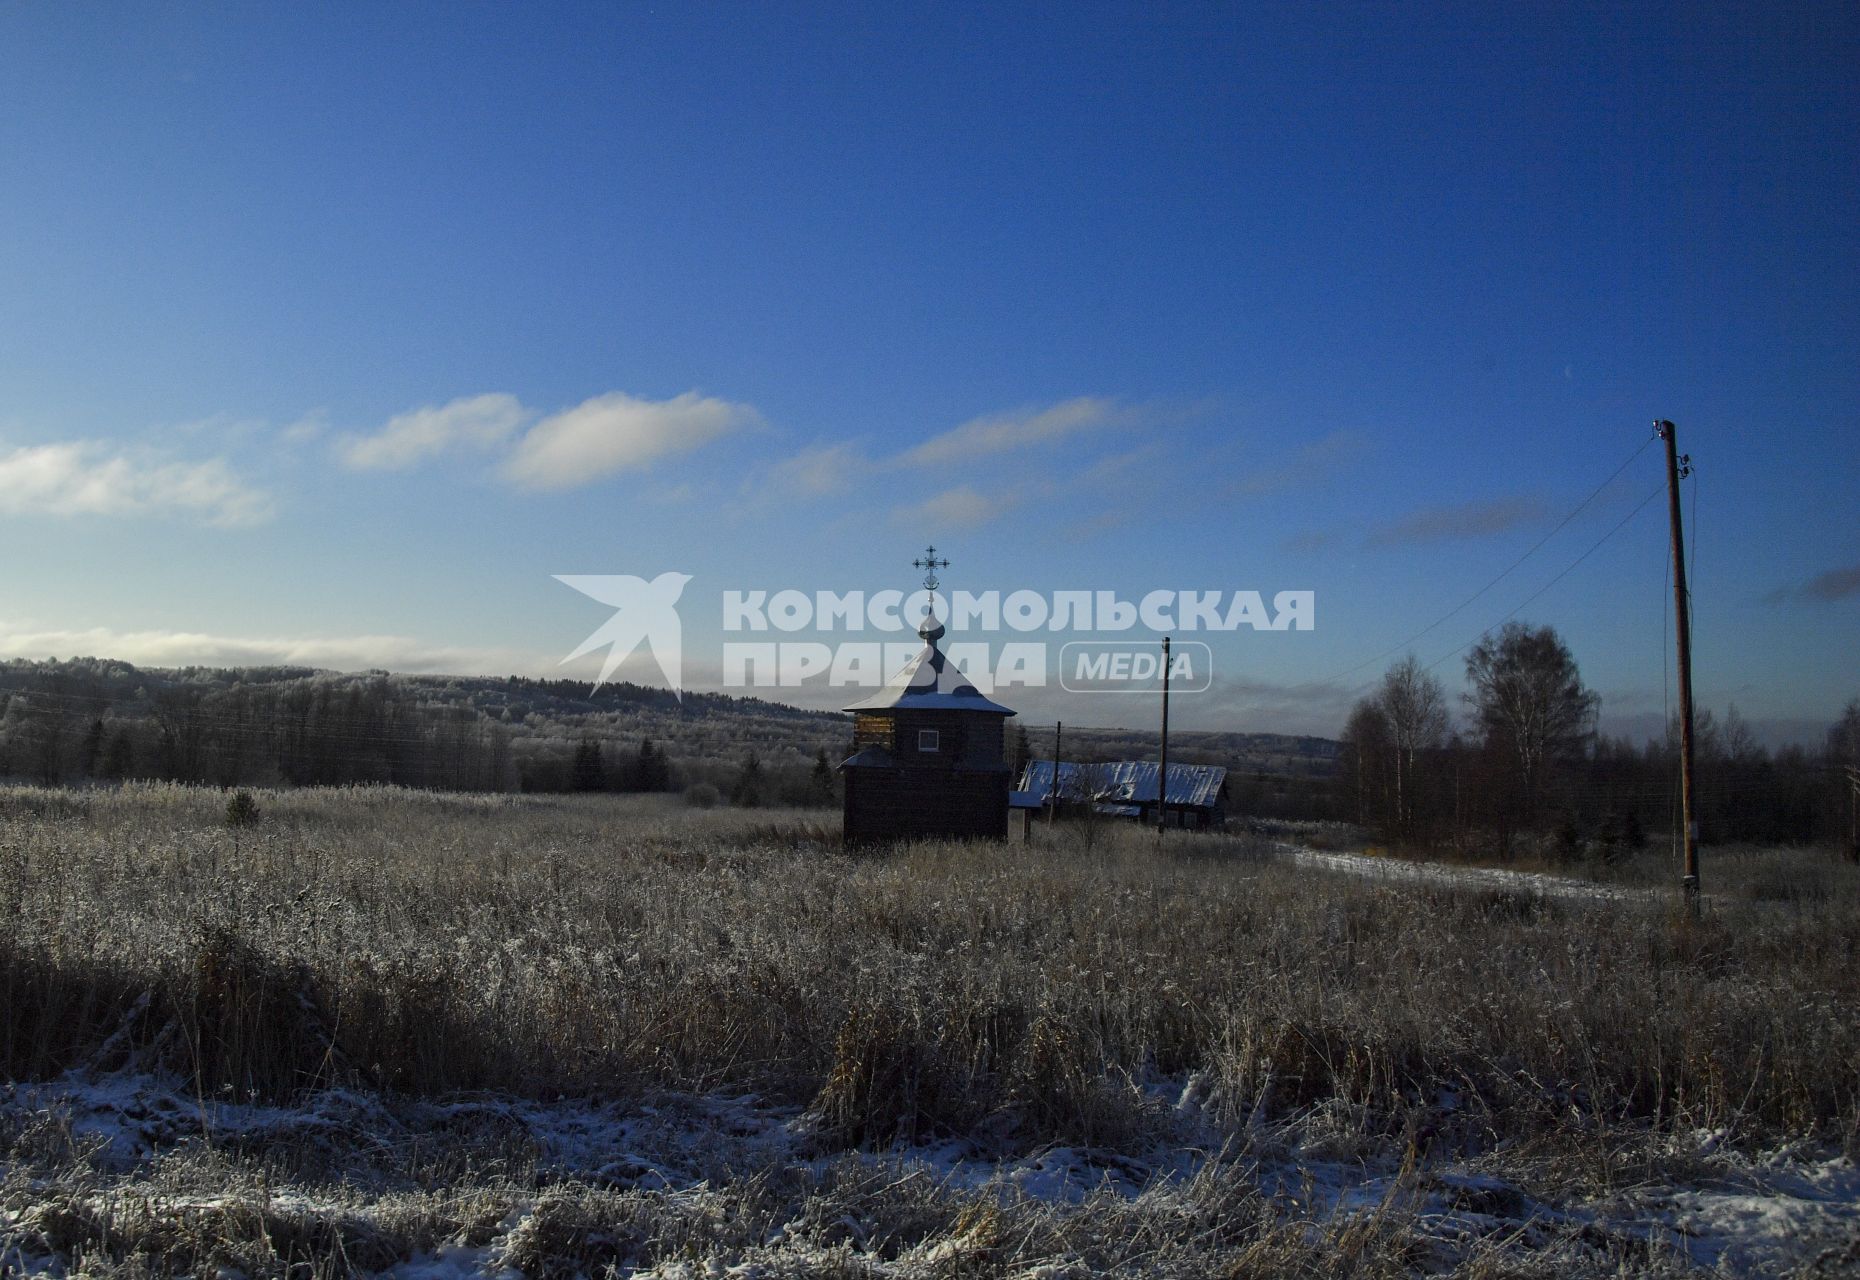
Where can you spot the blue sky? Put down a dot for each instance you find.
(331, 334)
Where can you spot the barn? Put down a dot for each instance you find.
(928, 755)
(1127, 789)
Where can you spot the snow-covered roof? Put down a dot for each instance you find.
(869, 758)
(930, 682)
(1128, 782)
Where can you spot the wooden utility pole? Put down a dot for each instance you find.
(1162, 772)
(1677, 466)
(1052, 790)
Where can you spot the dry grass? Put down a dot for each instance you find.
(423, 945)
(429, 944)
(206, 1211)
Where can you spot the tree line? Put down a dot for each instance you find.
(1528, 761)
(92, 720)
(1524, 762)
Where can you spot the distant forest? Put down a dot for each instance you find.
(99, 720)
(1402, 770)
(96, 719)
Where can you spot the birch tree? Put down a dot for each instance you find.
(1530, 702)
(1414, 709)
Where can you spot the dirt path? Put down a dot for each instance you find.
(1400, 869)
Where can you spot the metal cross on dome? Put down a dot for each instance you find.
(929, 563)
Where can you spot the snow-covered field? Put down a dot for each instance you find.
(685, 1186)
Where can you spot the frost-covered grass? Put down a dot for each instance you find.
(979, 1006)
(127, 1176)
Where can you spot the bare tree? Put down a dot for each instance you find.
(1414, 708)
(1844, 737)
(1531, 703)
(1365, 755)
(1844, 764)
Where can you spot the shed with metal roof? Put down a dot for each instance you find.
(1197, 793)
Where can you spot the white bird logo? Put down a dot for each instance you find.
(647, 611)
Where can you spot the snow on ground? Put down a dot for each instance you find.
(1764, 1217)
(1404, 871)
(1767, 1215)
(455, 1262)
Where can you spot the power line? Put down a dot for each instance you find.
(1501, 576)
(1559, 577)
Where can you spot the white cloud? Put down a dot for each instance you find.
(958, 508)
(1120, 489)
(819, 472)
(338, 653)
(999, 433)
(482, 422)
(827, 469)
(1310, 465)
(609, 433)
(306, 430)
(618, 432)
(88, 477)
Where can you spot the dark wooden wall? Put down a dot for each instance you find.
(906, 803)
(959, 791)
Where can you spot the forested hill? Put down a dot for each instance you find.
(99, 718)
(1279, 754)
(96, 718)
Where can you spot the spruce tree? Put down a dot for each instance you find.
(590, 773)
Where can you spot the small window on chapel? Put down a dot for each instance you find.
(926, 739)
